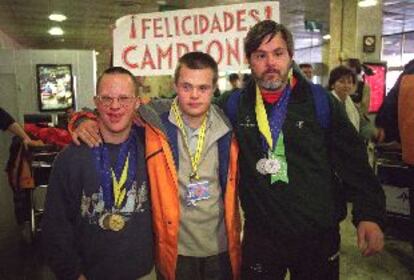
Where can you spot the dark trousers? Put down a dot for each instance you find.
(215, 267)
(265, 256)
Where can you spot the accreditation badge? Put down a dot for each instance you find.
(197, 191)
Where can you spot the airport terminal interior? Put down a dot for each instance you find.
(52, 51)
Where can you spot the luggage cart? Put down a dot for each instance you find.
(42, 160)
(394, 177)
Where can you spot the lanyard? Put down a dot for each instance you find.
(118, 185)
(196, 157)
(270, 126)
(115, 182)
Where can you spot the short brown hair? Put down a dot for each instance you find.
(118, 70)
(197, 60)
(261, 30)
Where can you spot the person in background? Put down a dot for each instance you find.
(362, 92)
(246, 79)
(342, 81)
(395, 120)
(192, 164)
(97, 221)
(307, 70)
(235, 82)
(8, 123)
(288, 161)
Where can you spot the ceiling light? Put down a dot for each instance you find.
(56, 31)
(57, 17)
(367, 3)
(326, 37)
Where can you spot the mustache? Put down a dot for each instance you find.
(272, 71)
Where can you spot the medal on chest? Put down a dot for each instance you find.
(116, 181)
(270, 127)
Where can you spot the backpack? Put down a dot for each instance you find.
(320, 98)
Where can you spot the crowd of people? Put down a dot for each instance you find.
(155, 189)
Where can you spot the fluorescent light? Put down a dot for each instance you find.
(57, 17)
(326, 37)
(56, 31)
(367, 3)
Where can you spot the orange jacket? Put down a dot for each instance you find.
(163, 179)
(406, 118)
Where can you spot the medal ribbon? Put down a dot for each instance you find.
(115, 182)
(118, 186)
(270, 128)
(196, 157)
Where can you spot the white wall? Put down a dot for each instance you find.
(18, 96)
(22, 63)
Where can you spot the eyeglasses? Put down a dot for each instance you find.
(122, 100)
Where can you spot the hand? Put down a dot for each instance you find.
(82, 277)
(88, 132)
(33, 143)
(370, 238)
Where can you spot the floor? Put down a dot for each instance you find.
(20, 260)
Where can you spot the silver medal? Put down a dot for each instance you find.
(272, 166)
(261, 166)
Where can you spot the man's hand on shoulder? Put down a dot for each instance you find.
(88, 132)
(370, 238)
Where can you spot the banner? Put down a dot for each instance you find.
(150, 44)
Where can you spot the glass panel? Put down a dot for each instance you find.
(408, 48)
(391, 50)
(390, 80)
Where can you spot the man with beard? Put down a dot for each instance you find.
(288, 165)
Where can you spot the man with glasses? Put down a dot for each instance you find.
(192, 167)
(97, 220)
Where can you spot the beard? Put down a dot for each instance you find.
(271, 85)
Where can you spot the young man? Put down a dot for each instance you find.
(97, 220)
(288, 163)
(192, 164)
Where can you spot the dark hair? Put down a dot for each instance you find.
(120, 71)
(261, 30)
(197, 60)
(305, 65)
(233, 77)
(354, 63)
(339, 72)
(246, 78)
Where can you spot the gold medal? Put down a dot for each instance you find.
(114, 222)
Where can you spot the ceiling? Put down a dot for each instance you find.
(89, 22)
